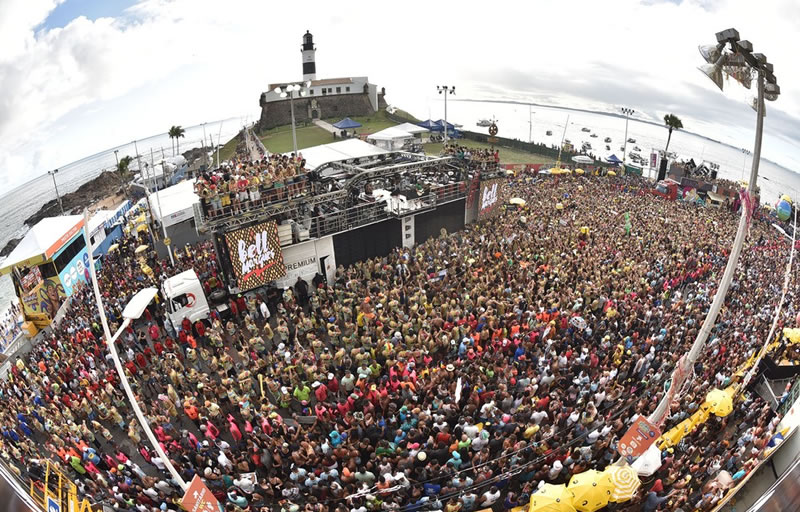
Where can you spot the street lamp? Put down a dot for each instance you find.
(530, 124)
(627, 112)
(133, 310)
(746, 153)
(445, 89)
(743, 65)
(53, 174)
(288, 91)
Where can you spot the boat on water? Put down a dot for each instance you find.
(584, 129)
(549, 132)
(594, 135)
(608, 148)
(586, 146)
(607, 140)
(622, 148)
(631, 141)
(637, 148)
(484, 123)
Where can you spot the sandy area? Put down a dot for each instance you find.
(108, 203)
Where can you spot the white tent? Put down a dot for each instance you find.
(413, 129)
(43, 241)
(177, 203)
(337, 151)
(391, 138)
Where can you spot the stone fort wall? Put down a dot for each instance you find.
(306, 109)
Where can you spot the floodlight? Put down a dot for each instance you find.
(745, 46)
(283, 95)
(308, 83)
(772, 91)
(714, 71)
(730, 34)
(303, 93)
(278, 90)
(760, 57)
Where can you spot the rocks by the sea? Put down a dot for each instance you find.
(10, 246)
(106, 184)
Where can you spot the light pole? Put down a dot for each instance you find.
(530, 125)
(746, 153)
(742, 64)
(53, 174)
(287, 91)
(116, 155)
(627, 112)
(445, 89)
(133, 310)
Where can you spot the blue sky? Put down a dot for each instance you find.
(91, 9)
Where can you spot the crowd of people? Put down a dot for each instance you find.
(451, 376)
(244, 183)
(10, 325)
(474, 155)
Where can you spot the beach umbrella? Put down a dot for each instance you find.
(517, 201)
(559, 206)
(648, 462)
(579, 172)
(140, 249)
(592, 490)
(625, 482)
(113, 247)
(721, 402)
(612, 173)
(787, 198)
(552, 498)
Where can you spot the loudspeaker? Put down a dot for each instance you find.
(662, 172)
(713, 174)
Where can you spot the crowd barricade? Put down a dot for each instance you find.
(291, 188)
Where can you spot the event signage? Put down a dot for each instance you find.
(41, 304)
(638, 438)
(75, 272)
(653, 159)
(198, 498)
(490, 198)
(256, 255)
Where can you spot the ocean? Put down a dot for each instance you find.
(512, 120)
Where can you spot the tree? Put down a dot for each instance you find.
(672, 122)
(176, 132)
(122, 168)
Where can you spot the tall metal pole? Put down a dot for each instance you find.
(164, 226)
(219, 141)
(294, 133)
(116, 155)
(530, 125)
(445, 115)
(58, 196)
(112, 348)
(686, 363)
(205, 151)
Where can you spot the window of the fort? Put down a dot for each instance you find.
(324, 91)
(311, 92)
(338, 90)
(347, 89)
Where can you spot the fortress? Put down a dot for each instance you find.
(326, 98)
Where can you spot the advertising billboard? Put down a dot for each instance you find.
(76, 271)
(256, 255)
(490, 198)
(41, 304)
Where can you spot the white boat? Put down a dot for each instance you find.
(608, 148)
(607, 140)
(484, 123)
(594, 135)
(584, 129)
(549, 132)
(631, 141)
(637, 148)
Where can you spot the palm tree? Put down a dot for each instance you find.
(122, 168)
(672, 122)
(176, 132)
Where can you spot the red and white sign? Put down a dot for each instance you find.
(198, 498)
(638, 438)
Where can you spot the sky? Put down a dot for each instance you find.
(82, 76)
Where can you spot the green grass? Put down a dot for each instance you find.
(279, 140)
(507, 156)
(228, 149)
(369, 124)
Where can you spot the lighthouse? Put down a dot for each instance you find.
(308, 50)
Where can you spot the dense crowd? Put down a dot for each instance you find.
(469, 153)
(10, 325)
(244, 183)
(456, 375)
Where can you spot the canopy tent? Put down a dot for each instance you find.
(450, 127)
(177, 203)
(412, 128)
(391, 138)
(582, 159)
(431, 125)
(43, 241)
(613, 159)
(347, 124)
(336, 151)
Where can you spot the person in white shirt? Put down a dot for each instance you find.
(490, 497)
(265, 314)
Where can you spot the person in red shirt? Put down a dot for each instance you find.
(200, 329)
(186, 324)
(155, 332)
(141, 362)
(320, 391)
(159, 348)
(131, 368)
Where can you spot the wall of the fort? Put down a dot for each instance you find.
(277, 113)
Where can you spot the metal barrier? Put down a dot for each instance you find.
(791, 398)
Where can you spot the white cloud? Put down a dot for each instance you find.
(90, 85)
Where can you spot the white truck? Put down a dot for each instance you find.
(185, 298)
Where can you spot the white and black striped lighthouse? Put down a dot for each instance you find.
(308, 50)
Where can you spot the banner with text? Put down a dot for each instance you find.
(490, 198)
(255, 255)
(77, 271)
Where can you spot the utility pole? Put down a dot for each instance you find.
(53, 174)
